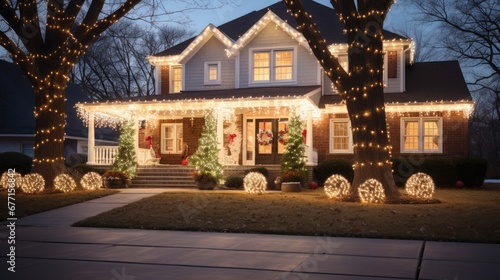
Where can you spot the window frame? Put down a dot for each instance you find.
(349, 149)
(175, 139)
(421, 136)
(272, 66)
(206, 79)
(172, 78)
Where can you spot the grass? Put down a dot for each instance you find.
(29, 204)
(462, 215)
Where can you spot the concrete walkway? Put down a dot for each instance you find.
(48, 248)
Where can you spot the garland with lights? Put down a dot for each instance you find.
(255, 183)
(233, 149)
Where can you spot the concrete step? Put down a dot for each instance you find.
(164, 176)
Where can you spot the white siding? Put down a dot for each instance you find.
(213, 50)
(328, 88)
(274, 37)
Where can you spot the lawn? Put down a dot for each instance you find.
(462, 215)
(29, 204)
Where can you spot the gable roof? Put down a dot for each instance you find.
(425, 82)
(325, 18)
(17, 102)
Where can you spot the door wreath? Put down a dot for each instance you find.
(265, 137)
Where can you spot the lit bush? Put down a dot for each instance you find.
(255, 183)
(337, 186)
(91, 181)
(5, 180)
(371, 191)
(64, 183)
(32, 183)
(420, 185)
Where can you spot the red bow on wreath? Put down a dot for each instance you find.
(231, 138)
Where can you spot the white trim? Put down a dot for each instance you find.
(421, 121)
(237, 71)
(272, 63)
(157, 76)
(174, 139)
(384, 71)
(349, 149)
(206, 76)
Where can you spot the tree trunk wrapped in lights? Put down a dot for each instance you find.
(362, 86)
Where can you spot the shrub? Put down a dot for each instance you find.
(261, 170)
(79, 170)
(21, 162)
(76, 159)
(333, 166)
(471, 171)
(403, 169)
(234, 182)
(292, 176)
(115, 175)
(442, 170)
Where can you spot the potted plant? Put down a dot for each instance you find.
(205, 181)
(115, 179)
(291, 181)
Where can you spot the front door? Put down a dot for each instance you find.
(268, 148)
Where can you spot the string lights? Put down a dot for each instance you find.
(64, 183)
(33, 183)
(420, 185)
(255, 183)
(91, 181)
(337, 186)
(371, 191)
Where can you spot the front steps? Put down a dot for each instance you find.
(164, 176)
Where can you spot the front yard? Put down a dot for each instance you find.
(462, 215)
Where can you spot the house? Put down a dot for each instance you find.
(255, 71)
(17, 122)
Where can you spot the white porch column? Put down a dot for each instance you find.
(91, 139)
(135, 120)
(309, 140)
(220, 135)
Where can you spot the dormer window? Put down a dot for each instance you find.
(272, 66)
(392, 64)
(176, 78)
(212, 73)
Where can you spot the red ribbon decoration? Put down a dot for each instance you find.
(304, 134)
(150, 140)
(264, 126)
(231, 138)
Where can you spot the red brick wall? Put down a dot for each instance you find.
(165, 79)
(455, 135)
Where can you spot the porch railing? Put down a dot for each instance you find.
(105, 155)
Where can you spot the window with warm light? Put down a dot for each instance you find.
(340, 136)
(176, 78)
(212, 73)
(171, 138)
(272, 66)
(421, 135)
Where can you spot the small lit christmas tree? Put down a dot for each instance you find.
(293, 155)
(206, 158)
(125, 159)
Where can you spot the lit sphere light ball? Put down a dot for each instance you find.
(64, 183)
(255, 183)
(420, 185)
(336, 186)
(33, 183)
(371, 191)
(5, 179)
(91, 181)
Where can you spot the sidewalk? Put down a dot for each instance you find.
(48, 248)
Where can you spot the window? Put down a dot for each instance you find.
(212, 73)
(176, 78)
(392, 64)
(421, 135)
(340, 136)
(171, 138)
(272, 66)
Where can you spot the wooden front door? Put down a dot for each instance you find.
(270, 152)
